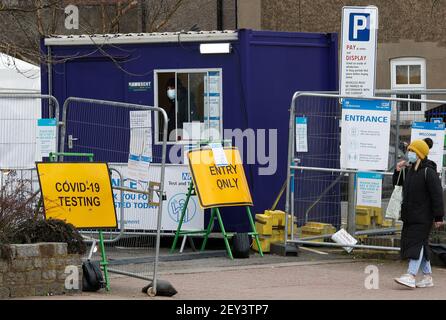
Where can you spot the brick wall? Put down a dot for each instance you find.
(37, 270)
(418, 20)
(414, 28)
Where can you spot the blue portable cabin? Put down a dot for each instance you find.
(258, 78)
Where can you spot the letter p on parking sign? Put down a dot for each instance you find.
(359, 27)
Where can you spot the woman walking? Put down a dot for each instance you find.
(422, 207)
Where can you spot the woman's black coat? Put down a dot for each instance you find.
(422, 205)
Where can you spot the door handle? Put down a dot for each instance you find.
(70, 141)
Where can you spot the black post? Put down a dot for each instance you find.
(236, 14)
(220, 15)
(143, 10)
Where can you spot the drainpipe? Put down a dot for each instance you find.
(143, 8)
(220, 15)
(50, 80)
(236, 14)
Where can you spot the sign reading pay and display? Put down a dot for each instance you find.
(358, 51)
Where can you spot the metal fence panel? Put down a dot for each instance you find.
(19, 115)
(318, 190)
(103, 128)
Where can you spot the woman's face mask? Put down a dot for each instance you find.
(412, 156)
(171, 94)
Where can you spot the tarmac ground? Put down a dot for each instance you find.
(327, 274)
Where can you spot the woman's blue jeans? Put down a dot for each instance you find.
(414, 265)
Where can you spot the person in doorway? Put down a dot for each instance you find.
(422, 207)
(187, 112)
(172, 95)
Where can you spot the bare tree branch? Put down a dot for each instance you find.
(168, 15)
(31, 9)
(25, 23)
(121, 12)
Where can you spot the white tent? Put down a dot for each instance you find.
(19, 117)
(18, 76)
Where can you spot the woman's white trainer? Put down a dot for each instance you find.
(407, 280)
(426, 282)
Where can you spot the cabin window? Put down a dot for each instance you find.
(192, 100)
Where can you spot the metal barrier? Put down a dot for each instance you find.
(103, 128)
(19, 115)
(318, 190)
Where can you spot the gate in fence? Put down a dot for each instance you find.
(121, 134)
(322, 196)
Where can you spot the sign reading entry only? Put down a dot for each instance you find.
(78, 193)
(365, 134)
(358, 51)
(219, 186)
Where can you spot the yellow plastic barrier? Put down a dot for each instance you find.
(271, 228)
(366, 217)
(265, 243)
(316, 229)
(278, 217)
(264, 224)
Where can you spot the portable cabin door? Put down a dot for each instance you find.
(91, 127)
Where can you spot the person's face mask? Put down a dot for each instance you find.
(412, 156)
(171, 94)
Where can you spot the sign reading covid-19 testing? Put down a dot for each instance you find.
(369, 189)
(78, 193)
(358, 52)
(435, 131)
(365, 134)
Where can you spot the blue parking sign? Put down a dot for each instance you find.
(359, 27)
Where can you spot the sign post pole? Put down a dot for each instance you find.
(190, 192)
(256, 235)
(216, 213)
(208, 230)
(351, 213)
(104, 262)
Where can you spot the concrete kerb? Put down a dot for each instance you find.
(265, 266)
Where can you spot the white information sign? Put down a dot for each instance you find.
(139, 215)
(369, 189)
(140, 155)
(45, 138)
(301, 134)
(358, 52)
(365, 134)
(343, 237)
(435, 131)
(219, 154)
(212, 104)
